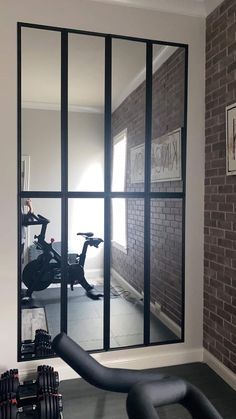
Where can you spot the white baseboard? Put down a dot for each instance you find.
(225, 373)
(136, 359)
(175, 328)
(123, 283)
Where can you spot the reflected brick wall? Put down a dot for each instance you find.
(166, 216)
(220, 190)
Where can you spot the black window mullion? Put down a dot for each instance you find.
(183, 166)
(107, 199)
(148, 140)
(19, 184)
(64, 177)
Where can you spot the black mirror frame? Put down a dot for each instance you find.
(64, 194)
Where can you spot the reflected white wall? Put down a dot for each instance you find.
(41, 141)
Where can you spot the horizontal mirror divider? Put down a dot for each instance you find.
(101, 35)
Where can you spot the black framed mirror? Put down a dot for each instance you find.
(101, 189)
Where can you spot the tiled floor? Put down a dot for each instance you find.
(85, 319)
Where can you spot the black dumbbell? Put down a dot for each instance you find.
(43, 345)
(9, 383)
(48, 407)
(8, 409)
(51, 406)
(48, 379)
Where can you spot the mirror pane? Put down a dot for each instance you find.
(85, 301)
(41, 119)
(40, 277)
(168, 91)
(86, 57)
(127, 271)
(166, 269)
(128, 115)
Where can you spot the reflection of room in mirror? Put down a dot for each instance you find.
(25, 173)
(86, 196)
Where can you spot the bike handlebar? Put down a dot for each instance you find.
(33, 219)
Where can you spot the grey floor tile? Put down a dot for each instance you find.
(85, 319)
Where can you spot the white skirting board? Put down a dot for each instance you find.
(130, 359)
(228, 376)
(159, 314)
(135, 360)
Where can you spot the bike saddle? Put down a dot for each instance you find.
(89, 234)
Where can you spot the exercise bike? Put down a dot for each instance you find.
(39, 273)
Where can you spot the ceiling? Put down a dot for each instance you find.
(41, 69)
(185, 7)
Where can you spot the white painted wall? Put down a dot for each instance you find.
(41, 141)
(83, 14)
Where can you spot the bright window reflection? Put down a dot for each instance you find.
(119, 161)
(119, 229)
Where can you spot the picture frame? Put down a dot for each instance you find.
(137, 158)
(231, 139)
(165, 159)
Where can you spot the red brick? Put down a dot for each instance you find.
(220, 276)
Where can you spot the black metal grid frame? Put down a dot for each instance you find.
(107, 195)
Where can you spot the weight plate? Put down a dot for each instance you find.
(56, 380)
(48, 406)
(4, 388)
(48, 381)
(15, 384)
(43, 412)
(8, 410)
(56, 407)
(51, 406)
(57, 410)
(51, 382)
(13, 411)
(40, 383)
(56, 403)
(44, 381)
(4, 410)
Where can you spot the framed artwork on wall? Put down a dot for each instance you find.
(137, 159)
(165, 159)
(231, 139)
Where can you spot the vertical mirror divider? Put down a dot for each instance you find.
(107, 189)
(19, 188)
(147, 181)
(64, 177)
(183, 166)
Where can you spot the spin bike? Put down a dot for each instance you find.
(46, 269)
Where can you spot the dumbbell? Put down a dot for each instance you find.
(9, 383)
(48, 407)
(43, 346)
(8, 409)
(47, 380)
(51, 406)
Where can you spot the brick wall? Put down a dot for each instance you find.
(166, 215)
(220, 190)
